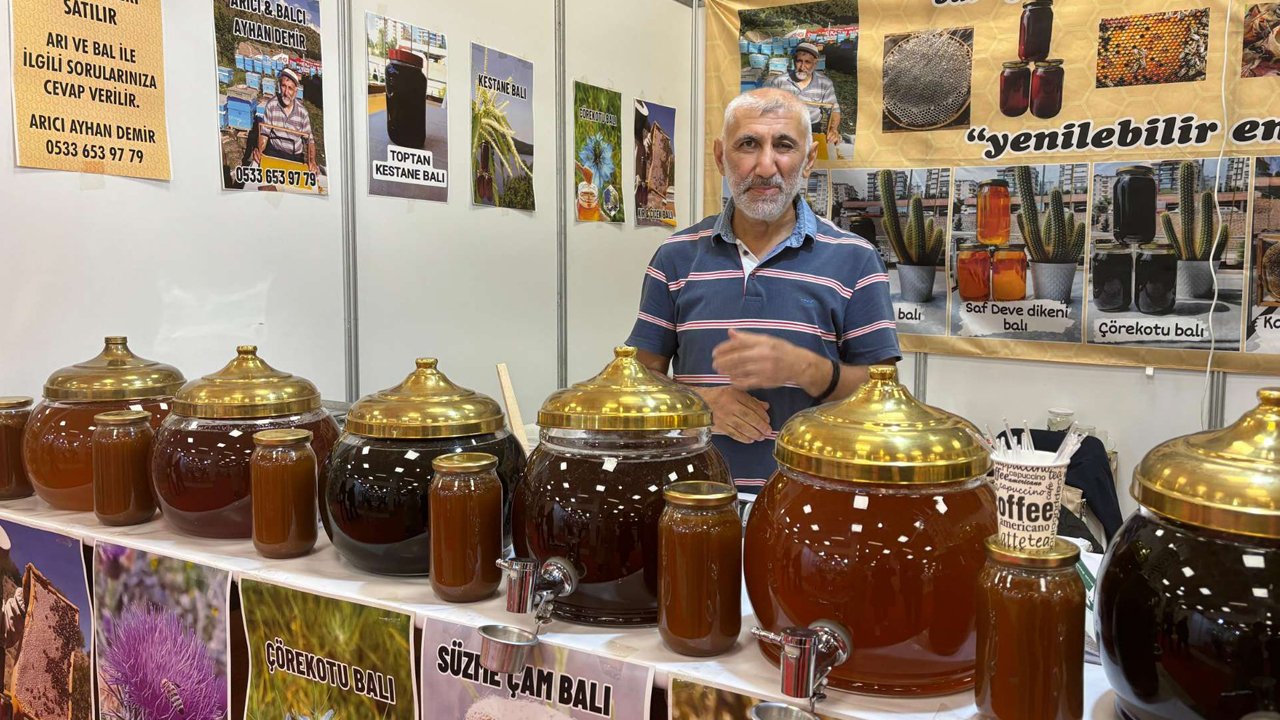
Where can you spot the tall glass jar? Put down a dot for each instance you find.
(1187, 593)
(14, 412)
(200, 464)
(1035, 31)
(57, 445)
(592, 491)
(973, 272)
(993, 212)
(1030, 634)
(1046, 89)
(283, 472)
(122, 467)
(1111, 273)
(1009, 274)
(1015, 88)
(1133, 204)
(466, 527)
(376, 500)
(700, 568)
(1155, 279)
(406, 99)
(876, 520)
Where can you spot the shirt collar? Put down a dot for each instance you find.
(806, 226)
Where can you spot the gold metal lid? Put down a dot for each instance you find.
(246, 388)
(994, 183)
(13, 402)
(1156, 248)
(1112, 247)
(699, 493)
(464, 462)
(1015, 64)
(1064, 553)
(114, 374)
(626, 395)
(972, 246)
(1048, 63)
(426, 405)
(122, 417)
(882, 435)
(1136, 170)
(282, 436)
(1226, 480)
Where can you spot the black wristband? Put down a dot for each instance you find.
(835, 380)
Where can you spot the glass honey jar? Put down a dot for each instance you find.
(1009, 274)
(122, 492)
(1015, 88)
(973, 272)
(283, 469)
(57, 444)
(466, 526)
(700, 568)
(993, 212)
(14, 412)
(1035, 31)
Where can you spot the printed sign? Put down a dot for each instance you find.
(47, 627)
(557, 684)
(270, 95)
(162, 636)
(690, 699)
(501, 129)
(597, 146)
(88, 87)
(408, 116)
(347, 660)
(655, 130)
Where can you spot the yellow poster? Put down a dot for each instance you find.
(88, 87)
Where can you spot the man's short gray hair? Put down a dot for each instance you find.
(768, 101)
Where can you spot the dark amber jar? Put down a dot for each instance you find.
(700, 568)
(1030, 635)
(1111, 273)
(1046, 89)
(1015, 88)
(466, 527)
(1133, 204)
(406, 99)
(14, 412)
(1155, 280)
(973, 272)
(1035, 31)
(283, 472)
(122, 467)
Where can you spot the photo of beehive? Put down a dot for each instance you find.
(1261, 56)
(1153, 49)
(927, 79)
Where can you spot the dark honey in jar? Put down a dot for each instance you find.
(122, 467)
(1030, 634)
(14, 412)
(466, 527)
(283, 472)
(700, 568)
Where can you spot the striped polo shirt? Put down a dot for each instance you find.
(822, 288)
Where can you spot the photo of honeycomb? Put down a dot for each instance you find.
(1153, 49)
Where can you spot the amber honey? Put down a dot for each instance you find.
(282, 469)
(122, 468)
(1009, 274)
(14, 412)
(1030, 635)
(700, 568)
(466, 526)
(973, 273)
(993, 212)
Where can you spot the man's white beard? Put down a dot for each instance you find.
(802, 75)
(765, 209)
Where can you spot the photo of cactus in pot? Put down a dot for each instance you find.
(1195, 235)
(1055, 241)
(918, 246)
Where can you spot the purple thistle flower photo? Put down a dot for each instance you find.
(160, 669)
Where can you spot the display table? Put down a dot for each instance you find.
(323, 572)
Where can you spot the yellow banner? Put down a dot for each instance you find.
(88, 87)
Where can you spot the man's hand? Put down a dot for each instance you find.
(736, 414)
(256, 158)
(757, 361)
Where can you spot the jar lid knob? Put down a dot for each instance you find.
(1269, 396)
(116, 340)
(246, 349)
(427, 363)
(624, 351)
(884, 372)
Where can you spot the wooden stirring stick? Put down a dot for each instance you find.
(513, 407)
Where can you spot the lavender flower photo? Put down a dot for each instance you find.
(162, 637)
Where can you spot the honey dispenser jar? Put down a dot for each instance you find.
(1188, 596)
(200, 464)
(57, 444)
(377, 480)
(876, 520)
(592, 490)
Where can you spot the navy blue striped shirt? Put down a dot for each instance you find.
(822, 289)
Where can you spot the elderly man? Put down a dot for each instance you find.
(813, 88)
(765, 309)
(285, 132)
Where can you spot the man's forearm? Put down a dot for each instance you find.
(815, 376)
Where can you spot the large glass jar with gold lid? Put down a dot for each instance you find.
(200, 461)
(57, 444)
(876, 519)
(376, 499)
(592, 490)
(1188, 596)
